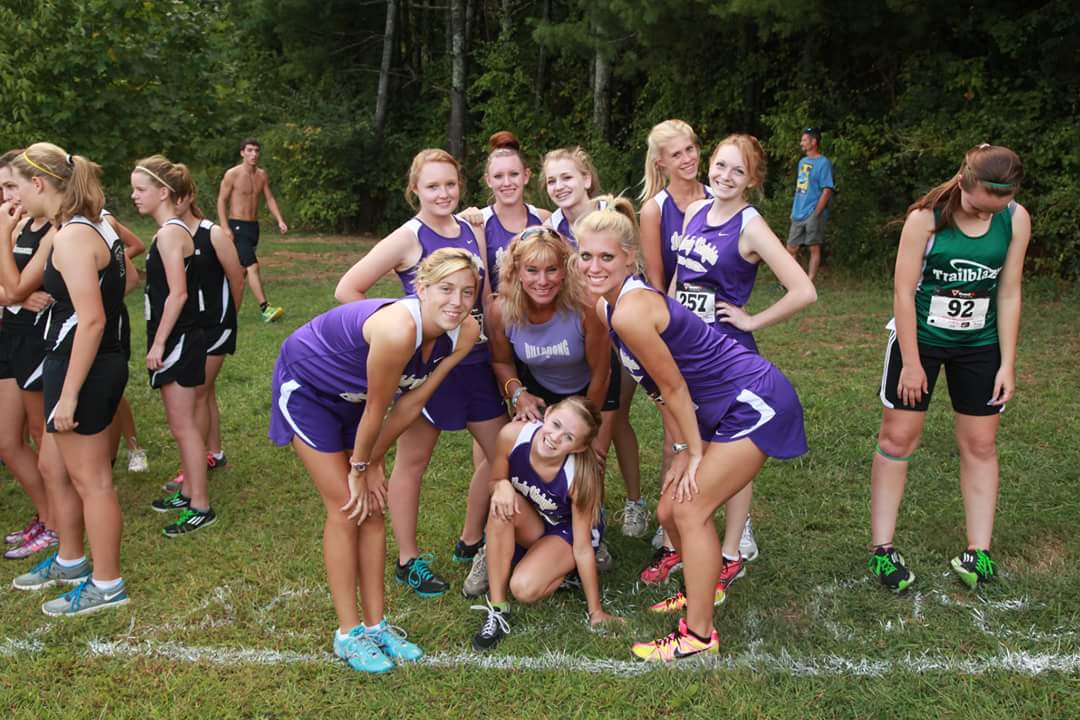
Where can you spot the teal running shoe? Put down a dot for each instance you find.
(974, 567)
(48, 572)
(85, 599)
(360, 652)
(418, 575)
(887, 565)
(394, 643)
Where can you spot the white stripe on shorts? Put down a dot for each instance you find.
(755, 401)
(287, 390)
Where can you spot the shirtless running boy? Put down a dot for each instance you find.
(240, 190)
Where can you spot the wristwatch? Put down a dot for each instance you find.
(677, 448)
(359, 466)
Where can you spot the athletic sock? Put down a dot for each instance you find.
(70, 563)
(263, 306)
(342, 635)
(108, 585)
(501, 606)
(729, 558)
(694, 634)
(376, 626)
(219, 455)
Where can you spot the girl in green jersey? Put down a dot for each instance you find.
(956, 302)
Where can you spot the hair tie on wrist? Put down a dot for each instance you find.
(70, 160)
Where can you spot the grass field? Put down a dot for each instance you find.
(237, 621)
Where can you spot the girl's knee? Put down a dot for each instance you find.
(525, 589)
(978, 449)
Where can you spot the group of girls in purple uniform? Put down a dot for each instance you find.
(68, 347)
(560, 316)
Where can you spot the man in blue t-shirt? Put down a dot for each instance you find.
(809, 210)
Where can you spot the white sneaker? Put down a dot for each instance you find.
(476, 583)
(137, 461)
(747, 545)
(635, 518)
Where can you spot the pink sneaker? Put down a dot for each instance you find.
(175, 484)
(19, 537)
(664, 562)
(44, 539)
(730, 571)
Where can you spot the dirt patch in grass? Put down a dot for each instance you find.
(1047, 554)
(329, 240)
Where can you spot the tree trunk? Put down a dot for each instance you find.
(541, 64)
(601, 76)
(456, 125)
(505, 23)
(383, 94)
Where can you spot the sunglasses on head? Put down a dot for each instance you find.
(539, 230)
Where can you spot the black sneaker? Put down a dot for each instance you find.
(974, 567)
(464, 554)
(496, 626)
(417, 574)
(887, 565)
(190, 521)
(215, 463)
(176, 501)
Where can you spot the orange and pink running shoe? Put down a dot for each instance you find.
(677, 602)
(676, 646)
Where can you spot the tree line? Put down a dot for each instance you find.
(343, 92)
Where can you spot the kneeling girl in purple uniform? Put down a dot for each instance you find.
(333, 382)
(726, 408)
(546, 498)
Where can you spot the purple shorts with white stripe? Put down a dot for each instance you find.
(323, 422)
(768, 412)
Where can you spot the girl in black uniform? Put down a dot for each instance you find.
(84, 375)
(176, 355)
(222, 278)
(22, 357)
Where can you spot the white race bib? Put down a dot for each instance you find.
(958, 313)
(700, 302)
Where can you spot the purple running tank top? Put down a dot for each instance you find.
(671, 225)
(711, 270)
(430, 241)
(329, 353)
(497, 239)
(551, 499)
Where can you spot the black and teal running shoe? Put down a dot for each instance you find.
(887, 565)
(464, 553)
(418, 575)
(974, 567)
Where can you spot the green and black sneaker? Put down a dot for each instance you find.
(887, 565)
(974, 567)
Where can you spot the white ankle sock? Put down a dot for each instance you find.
(70, 563)
(108, 585)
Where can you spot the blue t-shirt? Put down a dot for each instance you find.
(812, 177)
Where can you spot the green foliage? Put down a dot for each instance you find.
(900, 92)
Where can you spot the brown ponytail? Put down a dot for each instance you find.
(997, 169)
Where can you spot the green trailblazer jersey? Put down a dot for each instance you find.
(956, 300)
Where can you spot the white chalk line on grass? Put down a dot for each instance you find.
(1019, 662)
